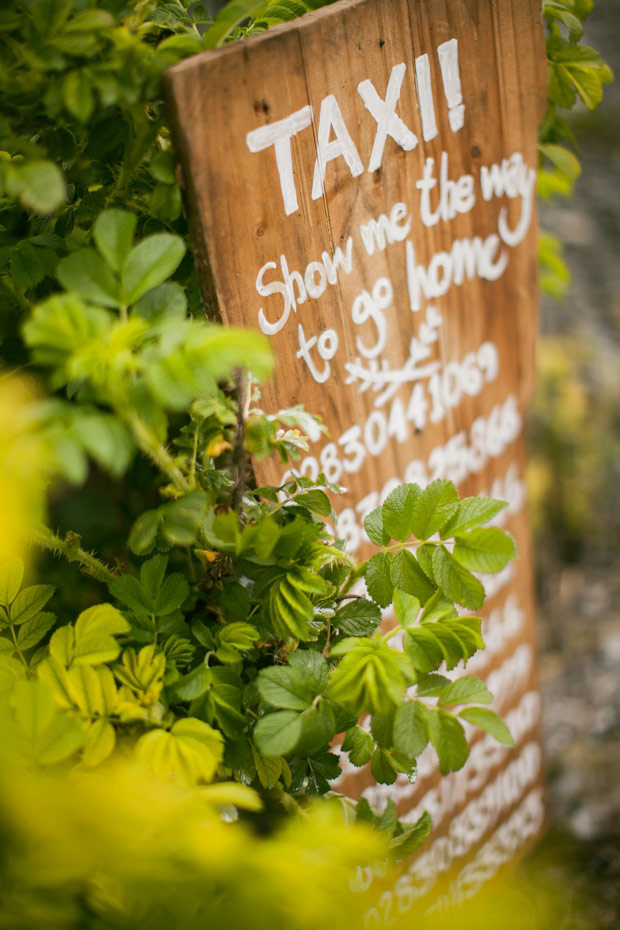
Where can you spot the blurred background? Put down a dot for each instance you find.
(574, 472)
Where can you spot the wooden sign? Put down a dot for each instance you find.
(362, 189)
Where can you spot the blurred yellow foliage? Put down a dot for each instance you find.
(24, 466)
(134, 851)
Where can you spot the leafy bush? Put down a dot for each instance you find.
(236, 646)
(219, 640)
(576, 72)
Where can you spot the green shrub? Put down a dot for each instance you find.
(218, 641)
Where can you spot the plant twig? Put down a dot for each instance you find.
(238, 455)
(155, 450)
(67, 547)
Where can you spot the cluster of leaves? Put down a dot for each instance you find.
(252, 659)
(83, 127)
(576, 72)
(234, 640)
(126, 850)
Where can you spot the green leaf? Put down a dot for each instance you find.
(162, 304)
(223, 349)
(576, 67)
(411, 729)
(161, 167)
(39, 185)
(62, 645)
(318, 728)
(277, 734)
(195, 684)
(315, 500)
(466, 690)
(437, 608)
(360, 746)
(357, 618)
(29, 602)
(559, 11)
(63, 325)
(472, 512)
(312, 667)
(454, 580)
(238, 635)
(433, 507)
(130, 592)
(448, 738)
(113, 233)
(468, 640)
(290, 610)
(382, 768)
(33, 630)
(485, 550)
(432, 685)
(144, 532)
(27, 269)
(472, 625)
(562, 159)
(398, 511)
(90, 21)
(411, 838)
(181, 519)
(95, 629)
(230, 16)
(423, 649)
(190, 752)
(284, 687)
(409, 577)
(77, 95)
(406, 608)
(86, 274)
(268, 768)
(373, 524)
(171, 595)
(107, 440)
(149, 264)
(226, 793)
(389, 819)
(51, 736)
(379, 579)
(453, 648)
(381, 726)
(11, 575)
(488, 721)
(370, 677)
(99, 742)
(152, 574)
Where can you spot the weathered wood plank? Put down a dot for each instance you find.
(361, 187)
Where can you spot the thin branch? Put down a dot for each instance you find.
(238, 455)
(89, 563)
(153, 448)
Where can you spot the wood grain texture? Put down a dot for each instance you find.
(237, 212)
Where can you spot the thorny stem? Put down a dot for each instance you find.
(238, 455)
(327, 639)
(192, 471)
(158, 454)
(91, 565)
